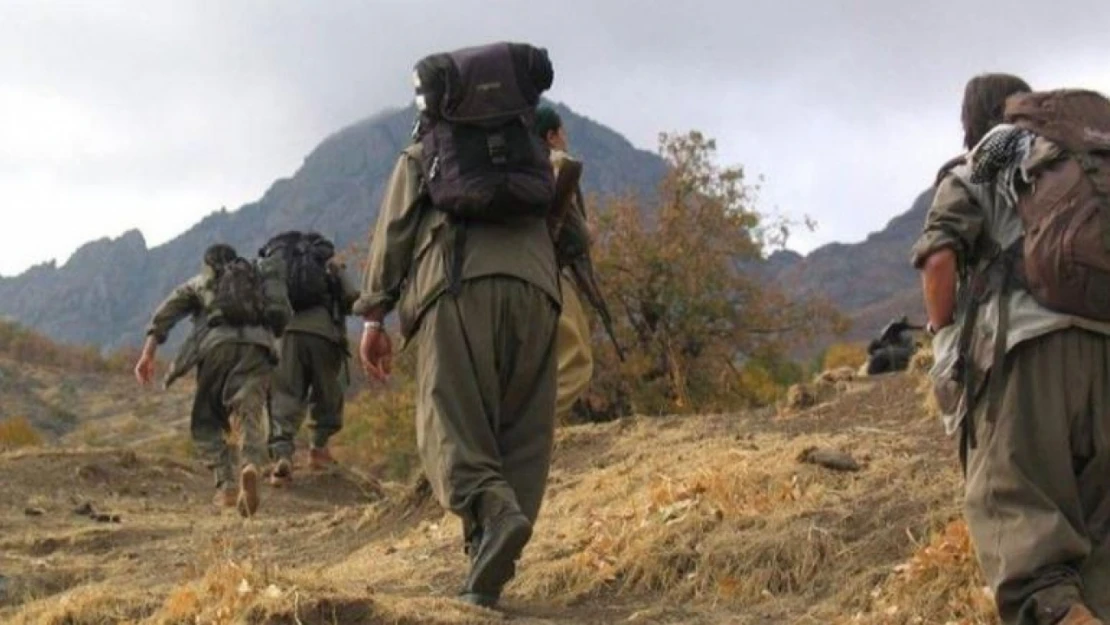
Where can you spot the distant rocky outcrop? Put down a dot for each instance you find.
(871, 281)
(104, 294)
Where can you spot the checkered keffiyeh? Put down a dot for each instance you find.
(999, 155)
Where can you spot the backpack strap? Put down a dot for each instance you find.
(999, 278)
(456, 249)
(976, 286)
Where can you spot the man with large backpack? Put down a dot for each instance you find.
(573, 352)
(237, 306)
(312, 370)
(1015, 257)
(462, 251)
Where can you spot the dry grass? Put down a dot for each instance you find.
(706, 520)
(379, 432)
(940, 583)
(17, 432)
(100, 604)
(740, 524)
(824, 387)
(178, 446)
(232, 592)
(839, 355)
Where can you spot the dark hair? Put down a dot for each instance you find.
(219, 254)
(984, 102)
(547, 120)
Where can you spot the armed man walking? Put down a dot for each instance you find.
(573, 353)
(1015, 257)
(237, 308)
(312, 372)
(462, 251)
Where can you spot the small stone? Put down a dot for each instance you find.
(829, 458)
(34, 511)
(85, 509)
(129, 459)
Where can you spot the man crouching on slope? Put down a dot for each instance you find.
(236, 312)
(479, 297)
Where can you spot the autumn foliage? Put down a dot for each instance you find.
(840, 355)
(30, 347)
(16, 432)
(703, 328)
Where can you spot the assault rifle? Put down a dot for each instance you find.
(572, 243)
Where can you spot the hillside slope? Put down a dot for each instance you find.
(70, 407)
(103, 295)
(872, 281)
(704, 520)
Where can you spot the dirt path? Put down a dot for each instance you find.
(700, 520)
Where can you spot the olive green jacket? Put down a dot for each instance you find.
(192, 299)
(407, 262)
(322, 320)
(966, 217)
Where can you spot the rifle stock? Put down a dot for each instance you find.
(572, 244)
(583, 273)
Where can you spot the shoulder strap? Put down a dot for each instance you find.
(951, 164)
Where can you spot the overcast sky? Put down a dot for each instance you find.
(124, 114)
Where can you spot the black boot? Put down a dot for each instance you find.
(493, 562)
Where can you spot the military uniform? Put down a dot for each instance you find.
(485, 369)
(312, 373)
(233, 373)
(1037, 496)
(573, 352)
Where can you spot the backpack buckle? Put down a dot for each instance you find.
(433, 171)
(498, 148)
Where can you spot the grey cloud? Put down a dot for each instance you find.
(845, 106)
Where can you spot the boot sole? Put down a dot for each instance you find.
(281, 479)
(248, 492)
(503, 553)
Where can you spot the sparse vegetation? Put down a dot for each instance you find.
(17, 432)
(379, 430)
(28, 346)
(840, 355)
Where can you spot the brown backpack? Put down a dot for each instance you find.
(1066, 210)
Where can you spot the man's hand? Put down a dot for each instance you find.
(144, 369)
(375, 350)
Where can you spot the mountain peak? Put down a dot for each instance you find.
(106, 291)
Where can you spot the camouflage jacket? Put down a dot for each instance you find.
(192, 299)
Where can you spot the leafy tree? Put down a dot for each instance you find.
(703, 329)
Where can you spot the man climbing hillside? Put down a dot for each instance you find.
(1016, 284)
(312, 370)
(573, 354)
(237, 307)
(462, 250)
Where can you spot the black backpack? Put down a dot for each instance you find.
(239, 297)
(306, 257)
(481, 159)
